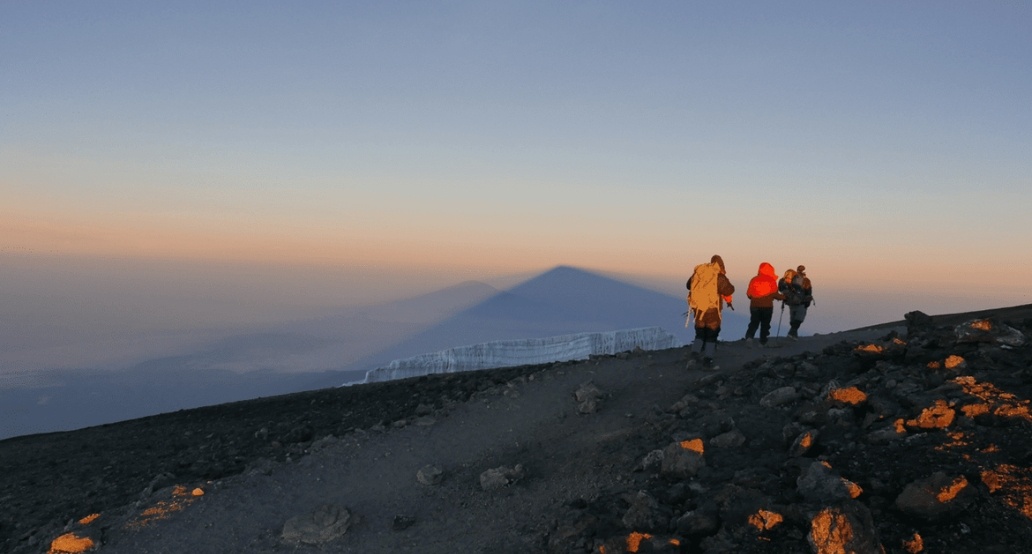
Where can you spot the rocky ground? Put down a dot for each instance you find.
(899, 438)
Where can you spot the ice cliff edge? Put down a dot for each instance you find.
(510, 353)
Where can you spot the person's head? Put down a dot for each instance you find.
(801, 270)
(789, 275)
(767, 269)
(716, 259)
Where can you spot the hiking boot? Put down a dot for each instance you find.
(694, 360)
(748, 342)
(709, 365)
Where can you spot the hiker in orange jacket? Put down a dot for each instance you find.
(708, 291)
(762, 292)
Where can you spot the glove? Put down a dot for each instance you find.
(732, 306)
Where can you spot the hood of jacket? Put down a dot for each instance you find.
(716, 259)
(765, 283)
(767, 270)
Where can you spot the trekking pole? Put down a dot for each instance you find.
(780, 317)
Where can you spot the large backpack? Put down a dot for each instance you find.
(703, 294)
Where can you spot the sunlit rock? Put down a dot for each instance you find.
(887, 433)
(682, 459)
(846, 528)
(848, 396)
(765, 520)
(935, 497)
(819, 483)
(938, 416)
(914, 544)
(987, 330)
(803, 443)
(70, 543)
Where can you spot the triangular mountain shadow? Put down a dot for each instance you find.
(563, 300)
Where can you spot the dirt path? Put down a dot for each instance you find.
(373, 474)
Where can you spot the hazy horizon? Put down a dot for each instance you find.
(110, 314)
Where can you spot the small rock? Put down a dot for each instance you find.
(499, 477)
(644, 514)
(682, 460)
(803, 443)
(401, 523)
(588, 396)
(779, 397)
(845, 528)
(651, 460)
(731, 439)
(324, 524)
(698, 523)
(820, 483)
(430, 475)
(936, 497)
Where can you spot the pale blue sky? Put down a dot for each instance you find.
(472, 139)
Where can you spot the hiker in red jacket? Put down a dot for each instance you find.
(708, 291)
(762, 292)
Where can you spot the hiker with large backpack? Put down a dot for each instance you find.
(708, 291)
(798, 291)
(762, 292)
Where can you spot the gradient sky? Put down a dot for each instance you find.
(886, 145)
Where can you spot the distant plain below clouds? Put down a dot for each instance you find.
(327, 351)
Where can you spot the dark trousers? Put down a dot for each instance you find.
(759, 318)
(707, 334)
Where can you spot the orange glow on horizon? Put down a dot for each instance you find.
(405, 245)
(420, 242)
